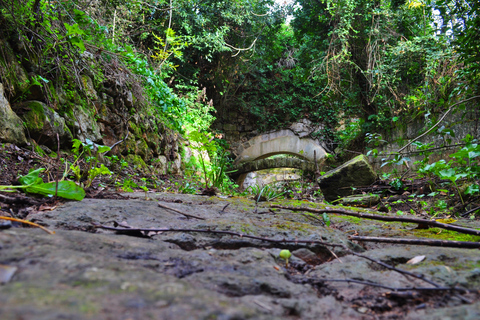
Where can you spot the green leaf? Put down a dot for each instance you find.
(448, 174)
(32, 177)
(326, 219)
(102, 149)
(73, 29)
(66, 189)
(472, 189)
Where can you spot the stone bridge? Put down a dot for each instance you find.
(279, 142)
(251, 155)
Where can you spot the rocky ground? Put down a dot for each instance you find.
(84, 271)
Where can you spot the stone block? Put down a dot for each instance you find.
(337, 183)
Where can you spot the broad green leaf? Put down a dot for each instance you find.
(102, 149)
(66, 189)
(32, 177)
(448, 174)
(472, 189)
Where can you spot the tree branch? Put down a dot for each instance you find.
(423, 242)
(240, 49)
(430, 223)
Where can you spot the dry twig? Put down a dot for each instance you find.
(180, 212)
(27, 222)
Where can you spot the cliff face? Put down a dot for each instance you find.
(105, 106)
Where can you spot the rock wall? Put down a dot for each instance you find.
(103, 111)
(446, 138)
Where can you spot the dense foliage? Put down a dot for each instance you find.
(353, 67)
(374, 62)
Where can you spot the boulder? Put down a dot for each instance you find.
(44, 123)
(11, 126)
(85, 126)
(337, 183)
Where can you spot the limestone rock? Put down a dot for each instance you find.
(43, 124)
(89, 88)
(10, 62)
(160, 165)
(11, 126)
(337, 183)
(85, 126)
(304, 127)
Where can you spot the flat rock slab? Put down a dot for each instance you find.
(87, 273)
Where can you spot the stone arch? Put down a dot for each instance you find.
(262, 164)
(279, 142)
(251, 153)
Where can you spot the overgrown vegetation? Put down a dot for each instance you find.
(353, 68)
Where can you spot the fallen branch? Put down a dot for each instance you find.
(180, 212)
(411, 274)
(470, 211)
(135, 231)
(423, 242)
(373, 284)
(430, 223)
(231, 233)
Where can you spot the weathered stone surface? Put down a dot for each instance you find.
(448, 266)
(44, 124)
(80, 275)
(160, 165)
(11, 126)
(10, 62)
(89, 88)
(304, 128)
(85, 126)
(337, 183)
(193, 275)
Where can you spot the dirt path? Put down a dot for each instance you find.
(86, 273)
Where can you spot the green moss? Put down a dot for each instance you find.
(134, 128)
(354, 220)
(42, 297)
(293, 225)
(442, 234)
(136, 160)
(39, 150)
(35, 118)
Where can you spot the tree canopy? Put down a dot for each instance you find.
(369, 63)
